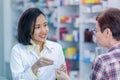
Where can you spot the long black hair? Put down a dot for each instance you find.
(26, 25)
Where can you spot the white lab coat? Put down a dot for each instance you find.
(21, 61)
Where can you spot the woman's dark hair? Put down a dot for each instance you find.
(26, 25)
(110, 18)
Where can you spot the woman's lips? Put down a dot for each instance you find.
(43, 36)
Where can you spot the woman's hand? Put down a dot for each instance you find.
(41, 63)
(60, 75)
(63, 68)
(44, 62)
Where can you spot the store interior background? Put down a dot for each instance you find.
(67, 19)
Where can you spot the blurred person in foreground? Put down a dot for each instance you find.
(107, 65)
(34, 57)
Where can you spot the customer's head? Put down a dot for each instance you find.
(108, 26)
(32, 25)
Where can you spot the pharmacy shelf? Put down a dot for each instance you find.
(68, 35)
(88, 12)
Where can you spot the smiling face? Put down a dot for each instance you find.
(41, 30)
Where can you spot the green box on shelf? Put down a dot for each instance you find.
(64, 51)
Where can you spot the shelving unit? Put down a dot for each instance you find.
(68, 34)
(88, 47)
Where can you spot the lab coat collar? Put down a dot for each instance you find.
(34, 46)
(48, 45)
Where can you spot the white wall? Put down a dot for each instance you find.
(7, 29)
(1, 39)
(5, 34)
(5, 37)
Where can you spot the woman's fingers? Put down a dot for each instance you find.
(60, 75)
(58, 72)
(63, 68)
(46, 61)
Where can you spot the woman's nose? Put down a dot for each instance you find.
(43, 30)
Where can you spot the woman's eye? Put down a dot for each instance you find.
(36, 27)
(46, 25)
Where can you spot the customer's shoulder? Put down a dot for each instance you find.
(104, 56)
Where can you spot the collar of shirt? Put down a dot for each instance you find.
(116, 46)
(36, 47)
